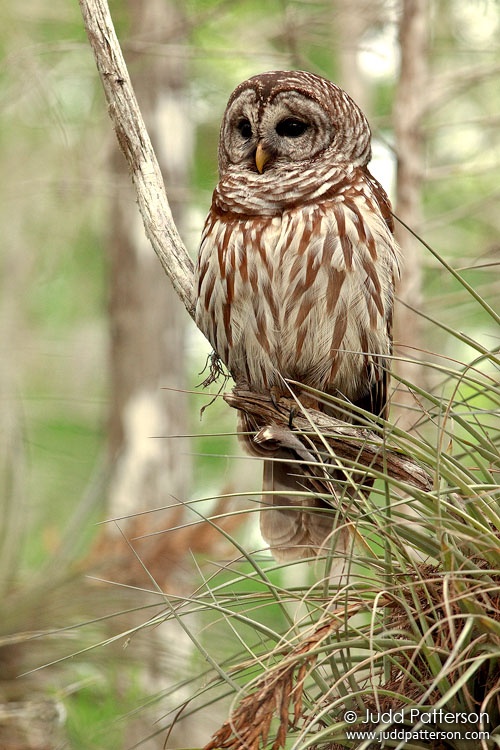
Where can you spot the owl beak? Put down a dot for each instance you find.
(261, 157)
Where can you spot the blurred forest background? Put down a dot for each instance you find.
(99, 361)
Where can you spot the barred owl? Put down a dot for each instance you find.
(296, 270)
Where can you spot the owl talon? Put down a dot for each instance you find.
(275, 395)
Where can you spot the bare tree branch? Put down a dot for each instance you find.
(136, 145)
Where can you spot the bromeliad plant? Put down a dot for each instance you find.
(403, 632)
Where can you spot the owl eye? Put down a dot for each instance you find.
(245, 128)
(290, 127)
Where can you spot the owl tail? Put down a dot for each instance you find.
(295, 525)
(295, 520)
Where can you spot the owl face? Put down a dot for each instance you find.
(287, 118)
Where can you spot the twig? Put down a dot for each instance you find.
(136, 145)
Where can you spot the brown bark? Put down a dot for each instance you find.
(33, 724)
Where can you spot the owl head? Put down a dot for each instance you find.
(283, 119)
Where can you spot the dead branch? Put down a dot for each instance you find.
(278, 693)
(136, 145)
(350, 443)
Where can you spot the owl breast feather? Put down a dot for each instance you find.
(304, 295)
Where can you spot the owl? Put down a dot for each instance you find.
(295, 274)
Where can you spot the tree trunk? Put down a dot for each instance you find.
(409, 106)
(149, 469)
(147, 321)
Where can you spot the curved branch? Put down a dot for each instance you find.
(136, 145)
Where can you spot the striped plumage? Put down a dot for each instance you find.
(297, 265)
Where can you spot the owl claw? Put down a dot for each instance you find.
(275, 395)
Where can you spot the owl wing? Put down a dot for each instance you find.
(361, 255)
(376, 399)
